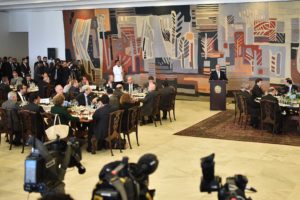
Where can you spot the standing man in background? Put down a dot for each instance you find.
(118, 73)
(218, 74)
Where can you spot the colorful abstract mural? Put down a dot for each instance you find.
(184, 43)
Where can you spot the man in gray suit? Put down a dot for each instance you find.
(12, 105)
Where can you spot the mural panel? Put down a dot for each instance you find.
(185, 43)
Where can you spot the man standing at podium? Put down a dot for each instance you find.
(218, 74)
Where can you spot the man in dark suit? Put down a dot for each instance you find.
(11, 103)
(253, 107)
(33, 105)
(22, 93)
(271, 97)
(86, 98)
(28, 80)
(218, 74)
(148, 103)
(166, 93)
(4, 85)
(99, 129)
(25, 68)
(289, 87)
(110, 82)
(130, 86)
(256, 90)
(6, 69)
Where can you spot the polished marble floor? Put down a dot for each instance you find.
(274, 170)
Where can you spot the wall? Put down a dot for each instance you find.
(12, 44)
(45, 30)
(249, 40)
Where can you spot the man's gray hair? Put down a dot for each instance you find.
(11, 95)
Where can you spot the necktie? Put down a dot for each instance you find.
(86, 101)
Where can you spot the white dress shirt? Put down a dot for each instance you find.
(118, 73)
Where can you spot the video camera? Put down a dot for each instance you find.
(121, 180)
(233, 189)
(46, 166)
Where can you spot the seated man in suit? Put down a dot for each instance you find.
(148, 103)
(86, 98)
(113, 99)
(33, 105)
(166, 93)
(271, 97)
(130, 86)
(28, 80)
(11, 103)
(218, 74)
(110, 82)
(59, 90)
(74, 89)
(4, 85)
(22, 93)
(256, 90)
(99, 129)
(289, 87)
(16, 80)
(253, 107)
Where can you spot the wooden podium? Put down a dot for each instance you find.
(218, 94)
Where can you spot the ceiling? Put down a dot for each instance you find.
(38, 5)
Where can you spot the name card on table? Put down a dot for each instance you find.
(45, 101)
(93, 87)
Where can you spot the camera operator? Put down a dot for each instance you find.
(121, 180)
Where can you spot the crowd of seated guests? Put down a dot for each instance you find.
(64, 82)
(256, 94)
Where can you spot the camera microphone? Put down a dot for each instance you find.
(148, 163)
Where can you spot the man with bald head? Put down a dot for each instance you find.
(218, 74)
(130, 86)
(60, 90)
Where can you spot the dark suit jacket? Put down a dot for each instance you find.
(214, 76)
(25, 69)
(257, 92)
(125, 107)
(165, 97)
(6, 70)
(5, 88)
(148, 103)
(285, 89)
(101, 120)
(19, 98)
(81, 99)
(114, 102)
(74, 92)
(253, 107)
(64, 115)
(39, 119)
(126, 86)
(274, 99)
(9, 104)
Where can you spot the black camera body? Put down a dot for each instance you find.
(121, 180)
(46, 166)
(234, 187)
